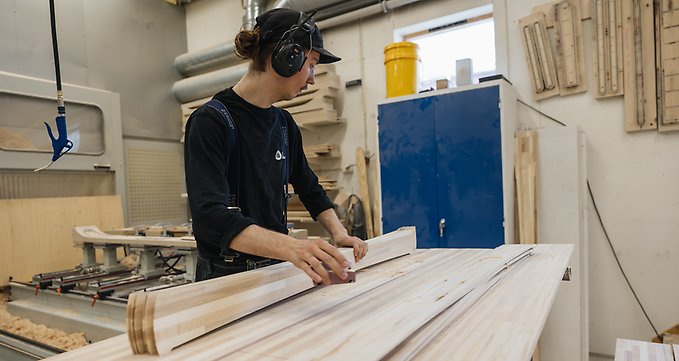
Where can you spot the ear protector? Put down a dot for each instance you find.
(288, 57)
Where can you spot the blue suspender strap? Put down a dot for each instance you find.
(232, 161)
(286, 175)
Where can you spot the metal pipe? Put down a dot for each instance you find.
(252, 10)
(381, 7)
(342, 8)
(208, 84)
(217, 55)
(205, 85)
(224, 54)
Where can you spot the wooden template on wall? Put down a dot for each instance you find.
(639, 65)
(607, 48)
(569, 52)
(539, 57)
(667, 47)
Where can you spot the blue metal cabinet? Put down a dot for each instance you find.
(441, 159)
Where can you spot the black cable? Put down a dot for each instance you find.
(539, 112)
(608, 239)
(54, 46)
(589, 188)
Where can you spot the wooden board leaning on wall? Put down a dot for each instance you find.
(37, 232)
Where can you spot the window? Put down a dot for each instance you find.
(470, 34)
(22, 128)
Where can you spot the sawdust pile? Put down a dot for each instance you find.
(41, 333)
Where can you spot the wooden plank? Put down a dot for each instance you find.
(302, 321)
(186, 312)
(315, 95)
(37, 232)
(422, 295)
(670, 35)
(326, 104)
(506, 323)
(526, 185)
(670, 18)
(669, 5)
(670, 67)
(316, 117)
(92, 234)
(670, 115)
(632, 350)
(362, 173)
(225, 342)
(376, 202)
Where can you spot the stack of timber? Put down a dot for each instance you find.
(187, 110)
(412, 307)
(316, 104)
(321, 152)
(159, 321)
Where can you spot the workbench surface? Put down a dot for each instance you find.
(498, 320)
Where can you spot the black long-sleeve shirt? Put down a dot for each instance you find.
(261, 179)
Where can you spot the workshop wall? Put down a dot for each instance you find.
(126, 47)
(123, 46)
(633, 176)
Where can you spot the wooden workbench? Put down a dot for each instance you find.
(498, 321)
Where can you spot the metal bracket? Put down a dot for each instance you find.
(567, 274)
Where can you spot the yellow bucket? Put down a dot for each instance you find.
(401, 61)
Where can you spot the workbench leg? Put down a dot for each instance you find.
(89, 256)
(191, 261)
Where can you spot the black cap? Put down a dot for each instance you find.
(275, 22)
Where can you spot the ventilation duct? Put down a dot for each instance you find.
(252, 10)
(333, 11)
(205, 85)
(224, 54)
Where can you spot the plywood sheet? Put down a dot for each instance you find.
(37, 232)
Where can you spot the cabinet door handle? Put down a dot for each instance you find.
(442, 225)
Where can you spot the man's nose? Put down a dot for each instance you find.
(311, 80)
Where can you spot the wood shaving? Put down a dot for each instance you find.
(41, 333)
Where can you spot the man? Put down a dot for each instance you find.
(241, 152)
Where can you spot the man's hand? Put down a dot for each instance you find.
(360, 247)
(309, 256)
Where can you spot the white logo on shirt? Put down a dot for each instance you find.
(279, 156)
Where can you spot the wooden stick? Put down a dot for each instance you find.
(365, 192)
